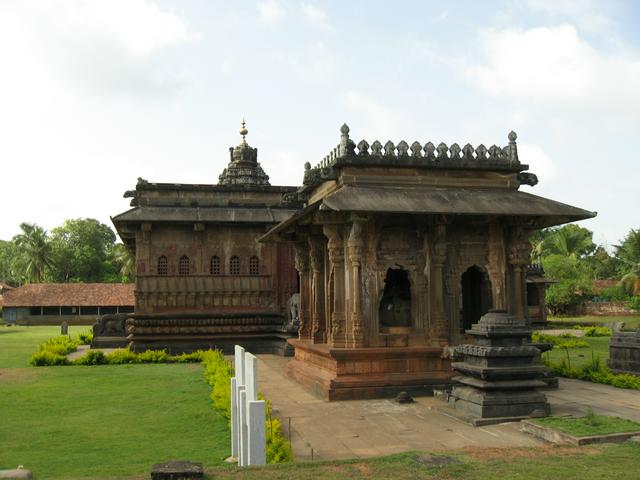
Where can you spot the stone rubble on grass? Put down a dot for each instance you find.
(17, 473)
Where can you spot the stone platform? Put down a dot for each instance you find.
(259, 333)
(358, 373)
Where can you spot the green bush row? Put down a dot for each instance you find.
(559, 341)
(218, 373)
(595, 372)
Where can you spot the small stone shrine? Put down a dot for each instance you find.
(499, 372)
(400, 249)
(624, 352)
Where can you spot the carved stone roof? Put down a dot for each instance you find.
(434, 200)
(243, 168)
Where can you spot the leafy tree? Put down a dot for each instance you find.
(34, 248)
(573, 282)
(603, 265)
(10, 264)
(81, 248)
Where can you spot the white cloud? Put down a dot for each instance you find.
(270, 11)
(106, 46)
(556, 66)
(587, 14)
(316, 17)
(378, 120)
(539, 162)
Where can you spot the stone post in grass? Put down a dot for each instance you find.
(248, 439)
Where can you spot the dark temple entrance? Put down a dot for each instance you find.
(475, 296)
(395, 305)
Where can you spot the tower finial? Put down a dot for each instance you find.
(244, 131)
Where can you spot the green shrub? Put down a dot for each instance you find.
(153, 356)
(614, 294)
(634, 303)
(61, 345)
(597, 331)
(85, 338)
(121, 356)
(92, 357)
(45, 358)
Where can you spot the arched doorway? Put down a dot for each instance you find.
(395, 304)
(475, 297)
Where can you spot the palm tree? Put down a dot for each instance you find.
(34, 248)
(569, 241)
(123, 257)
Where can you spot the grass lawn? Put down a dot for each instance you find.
(17, 344)
(631, 322)
(547, 462)
(111, 421)
(589, 425)
(578, 357)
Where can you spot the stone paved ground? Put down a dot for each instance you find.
(381, 427)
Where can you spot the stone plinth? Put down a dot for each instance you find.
(499, 375)
(109, 331)
(624, 352)
(358, 373)
(260, 332)
(177, 470)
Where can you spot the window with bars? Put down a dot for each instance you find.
(184, 266)
(214, 267)
(254, 266)
(234, 265)
(163, 265)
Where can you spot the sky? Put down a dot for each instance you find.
(96, 93)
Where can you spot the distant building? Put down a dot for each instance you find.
(202, 279)
(75, 303)
(4, 288)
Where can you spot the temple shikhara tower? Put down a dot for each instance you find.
(400, 250)
(202, 279)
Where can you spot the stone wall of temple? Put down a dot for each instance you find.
(212, 268)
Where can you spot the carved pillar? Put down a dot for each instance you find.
(335, 249)
(519, 254)
(316, 253)
(302, 266)
(438, 257)
(497, 266)
(355, 244)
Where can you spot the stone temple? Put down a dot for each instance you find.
(401, 249)
(202, 279)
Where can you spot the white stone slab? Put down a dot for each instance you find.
(257, 435)
(251, 376)
(235, 437)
